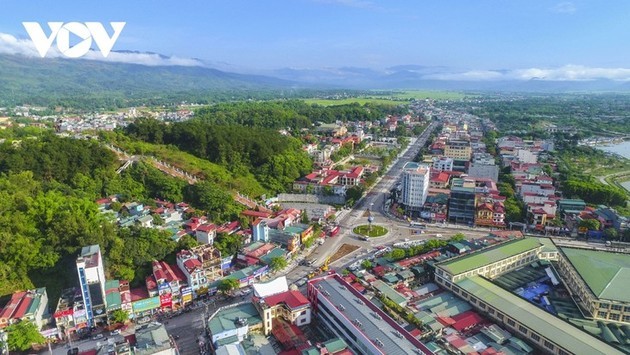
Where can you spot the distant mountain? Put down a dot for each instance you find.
(47, 80)
(437, 78)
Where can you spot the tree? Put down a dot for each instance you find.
(611, 233)
(120, 316)
(228, 285)
(366, 264)
(397, 254)
(354, 193)
(23, 335)
(278, 263)
(157, 220)
(590, 224)
(458, 237)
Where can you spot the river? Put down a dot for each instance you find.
(622, 148)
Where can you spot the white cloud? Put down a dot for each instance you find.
(564, 73)
(566, 7)
(12, 45)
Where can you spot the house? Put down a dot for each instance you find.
(192, 268)
(205, 233)
(31, 305)
(145, 221)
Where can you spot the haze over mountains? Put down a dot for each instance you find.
(27, 78)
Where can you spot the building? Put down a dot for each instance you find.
(442, 164)
(169, 281)
(524, 319)
(458, 150)
(462, 205)
(206, 233)
(231, 324)
(469, 277)
(484, 171)
(152, 339)
(290, 305)
(31, 305)
(361, 324)
(598, 281)
(70, 315)
(193, 269)
(92, 282)
(415, 186)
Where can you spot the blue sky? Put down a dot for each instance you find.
(464, 35)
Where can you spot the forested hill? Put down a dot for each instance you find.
(96, 84)
(275, 160)
(292, 113)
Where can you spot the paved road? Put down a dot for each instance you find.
(375, 197)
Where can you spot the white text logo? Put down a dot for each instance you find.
(87, 32)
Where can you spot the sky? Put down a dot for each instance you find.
(475, 39)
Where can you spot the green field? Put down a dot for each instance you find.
(377, 231)
(361, 101)
(430, 94)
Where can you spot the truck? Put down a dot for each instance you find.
(334, 231)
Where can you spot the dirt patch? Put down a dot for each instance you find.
(343, 250)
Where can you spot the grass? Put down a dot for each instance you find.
(431, 94)
(377, 231)
(361, 101)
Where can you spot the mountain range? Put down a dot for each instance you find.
(50, 80)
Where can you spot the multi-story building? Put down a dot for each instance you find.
(192, 268)
(462, 205)
(70, 313)
(153, 339)
(597, 280)
(415, 186)
(470, 276)
(484, 171)
(289, 305)
(458, 150)
(29, 306)
(210, 258)
(169, 282)
(92, 282)
(442, 164)
(355, 319)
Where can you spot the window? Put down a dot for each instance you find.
(303, 312)
(562, 352)
(616, 307)
(548, 345)
(626, 318)
(522, 329)
(511, 322)
(490, 310)
(614, 316)
(535, 337)
(601, 314)
(626, 309)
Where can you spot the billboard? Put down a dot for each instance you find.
(146, 304)
(166, 300)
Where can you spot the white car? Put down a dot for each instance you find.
(114, 332)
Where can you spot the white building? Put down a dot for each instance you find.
(415, 185)
(442, 164)
(92, 281)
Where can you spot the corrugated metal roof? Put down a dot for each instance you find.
(561, 333)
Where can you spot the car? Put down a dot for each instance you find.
(300, 282)
(98, 336)
(114, 332)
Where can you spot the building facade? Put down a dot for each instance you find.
(415, 186)
(92, 282)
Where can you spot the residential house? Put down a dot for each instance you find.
(31, 305)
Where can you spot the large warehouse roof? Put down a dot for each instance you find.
(553, 328)
(606, 274)
(491, 255)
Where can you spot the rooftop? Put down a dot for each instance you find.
(374, 323)
(152, 339)
(606, 274)
(490, 255)
(293, 299)
(226, 319)
(561, 333)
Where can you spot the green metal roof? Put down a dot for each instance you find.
(276, 252)
(561, 333)
(389, 292)
(606, 274)
(488, 256)
(548, 246)
(228, 340)
(335, 345)
(224, 319)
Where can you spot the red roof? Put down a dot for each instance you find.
(251, 213)
(466, 320)
(138, 293)
(16, 307)
(192, 264)
(293, 299)
(207, 228)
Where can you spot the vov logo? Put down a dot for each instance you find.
(87, 31)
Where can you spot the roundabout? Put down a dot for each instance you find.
(372, 231)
